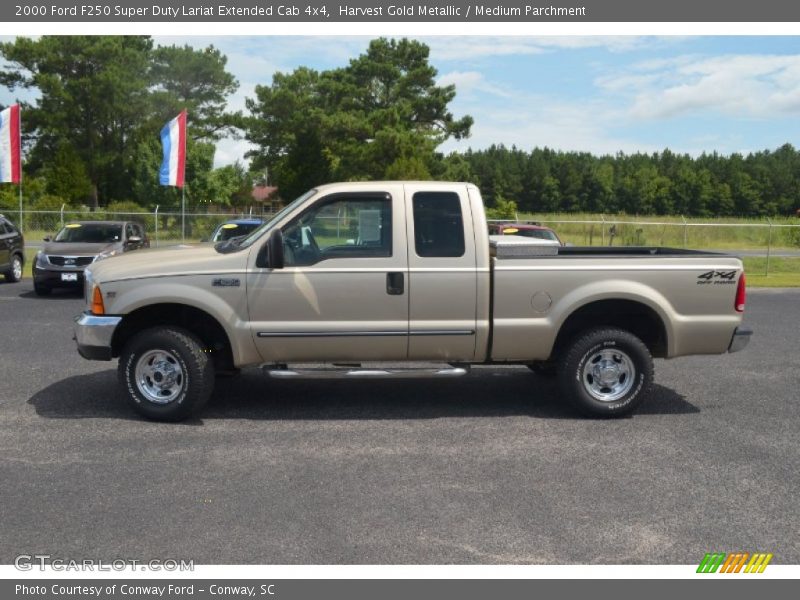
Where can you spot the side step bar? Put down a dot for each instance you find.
(363, 373)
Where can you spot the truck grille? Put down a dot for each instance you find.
(70, 261)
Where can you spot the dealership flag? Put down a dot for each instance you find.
(173, 139)
(10, 145)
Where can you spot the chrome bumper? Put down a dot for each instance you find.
(741, 336)
(93, 335)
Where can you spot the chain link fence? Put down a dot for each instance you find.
(163, 228)
(766, 238)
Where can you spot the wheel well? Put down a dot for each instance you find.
(192, 319)
(635, 317)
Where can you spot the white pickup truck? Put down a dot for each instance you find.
(365, 276)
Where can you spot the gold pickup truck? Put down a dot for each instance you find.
(364, 277)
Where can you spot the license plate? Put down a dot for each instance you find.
(69, 277)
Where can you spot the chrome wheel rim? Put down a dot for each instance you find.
(159, 376)
(608, 374)
(16, 268)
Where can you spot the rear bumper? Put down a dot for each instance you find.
(740, 339)
(93, 335)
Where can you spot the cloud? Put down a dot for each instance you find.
(739, 86)
(469, 82)
(464, 47)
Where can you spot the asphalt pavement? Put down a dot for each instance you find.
(490, 468)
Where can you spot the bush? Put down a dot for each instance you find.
(503, 209)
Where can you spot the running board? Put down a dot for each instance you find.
(363, 373)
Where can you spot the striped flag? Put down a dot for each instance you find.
(173, 139)
(10, 145)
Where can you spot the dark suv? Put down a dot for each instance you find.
(61, 261)
(12, 251)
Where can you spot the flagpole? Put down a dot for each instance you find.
(183, 214)
(19, 130)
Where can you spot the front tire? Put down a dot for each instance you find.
(166, 374)
(14, 273)
(606, 372)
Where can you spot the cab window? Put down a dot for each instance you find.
(438, 225)
(358, 226)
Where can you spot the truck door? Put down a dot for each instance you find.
(442, 273)
(342, 294)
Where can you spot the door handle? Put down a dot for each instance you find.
(395, 284)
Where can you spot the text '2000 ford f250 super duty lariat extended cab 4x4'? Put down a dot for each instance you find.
(403, 272)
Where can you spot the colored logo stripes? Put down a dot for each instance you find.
(736, 562)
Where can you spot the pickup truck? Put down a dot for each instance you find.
(364, 279)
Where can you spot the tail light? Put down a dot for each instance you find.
(740, 294)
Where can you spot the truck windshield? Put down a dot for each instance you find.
(245, 242)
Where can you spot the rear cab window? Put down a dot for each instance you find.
(438, 225)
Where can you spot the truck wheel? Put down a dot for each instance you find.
(166, 374)
(606, 372)
(14, 273)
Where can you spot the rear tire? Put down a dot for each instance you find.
(166, 373)
(606, 372)
(14, 273)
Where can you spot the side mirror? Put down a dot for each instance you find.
(270, 256)
(46, 238)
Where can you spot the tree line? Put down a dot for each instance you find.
(759, 184)
(91, 137)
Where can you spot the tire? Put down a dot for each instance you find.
(547, 370)
(14, 273)
(41, 290)
(166, 374)
(606, 372)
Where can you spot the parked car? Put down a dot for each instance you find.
(12, 251)
(61, 261)
(235, 228)
(529, 230)
(355, 274)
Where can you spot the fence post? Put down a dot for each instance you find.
(62, 215)
(155, 218)
(685, 232)
(603, 228)
(769, 245)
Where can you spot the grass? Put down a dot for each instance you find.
(734, 234)
(783, 272)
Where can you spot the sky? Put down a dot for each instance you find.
(593, 93)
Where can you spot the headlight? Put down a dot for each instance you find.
(106, 254)
(41, 260)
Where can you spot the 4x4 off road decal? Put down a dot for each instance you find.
(717, 278)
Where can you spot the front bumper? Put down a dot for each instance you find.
(53, 279)
(93, 335)
(740, 339)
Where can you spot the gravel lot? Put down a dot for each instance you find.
(490, 468)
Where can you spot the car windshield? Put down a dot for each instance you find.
(90, 233)
(227, 231)
(247, 241)
(539, 234)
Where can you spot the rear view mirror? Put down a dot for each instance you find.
(271, 254)
(46, 238)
